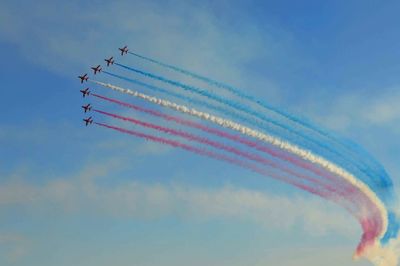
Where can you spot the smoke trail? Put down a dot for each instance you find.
(227, 148)
(370, 231)
(321, 191)
(236, 105)
(307, 124)
(191, 100)
(386, 193)
(304, 154)
(384, 256)
(274, 153)
(237, 138)
(353, 199)
(217, 156)
(180, 96)
(353, 166)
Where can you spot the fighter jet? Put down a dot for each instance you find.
(96, 69)
(83, 78)
(85, 92)
(87, 107)
(88, 121)
(124, 50)
(110, 61)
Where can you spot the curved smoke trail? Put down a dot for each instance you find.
(371, 172)
(207, 105)
(237, 138)
(332, 188)
(217, 156)
(307, 124)
(359, 165)
(333, 180)
(374, 227)
(354, 201)
(325, 191)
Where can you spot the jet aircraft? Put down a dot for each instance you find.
(110, 61)
(83, 78)
(88, 121)
(96, 69)
(85, 92)
(87, 107)
(124, 50)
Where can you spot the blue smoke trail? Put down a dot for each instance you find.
(383, 188)
(366, 170)
(182, 97)
(224, 111)
(202, 103)
(350, 146)
(371, 221)
(206, 104)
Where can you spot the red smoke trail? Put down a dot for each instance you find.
(368, 213)
(369, 217)
(221, 146)
(342, 189)
(217, 156)
(237, 138)
(332, 190)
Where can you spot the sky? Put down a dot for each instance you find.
(75, 195)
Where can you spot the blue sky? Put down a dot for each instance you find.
(71, 195)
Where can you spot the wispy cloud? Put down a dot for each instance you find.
(84, 193)
(355, 109)
(186, 33)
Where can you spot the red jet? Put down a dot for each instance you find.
(87, 107)
(85, 92)
(88, 120)
(83, 78)
(109, 61)
(96, 69)
(124, 50)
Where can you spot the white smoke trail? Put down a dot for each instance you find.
(304, 154)
(387, 255)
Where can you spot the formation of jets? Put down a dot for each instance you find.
(97, 69)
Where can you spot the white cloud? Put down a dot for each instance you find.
(384, 109)
(138, 200)
(355, 110)
(65, 39)
(86, 193)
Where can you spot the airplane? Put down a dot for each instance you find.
(88, 120)
(96, 69)
(124, 50)
(85, 92)
(87, 107)
(83, 78)
(110, 61)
